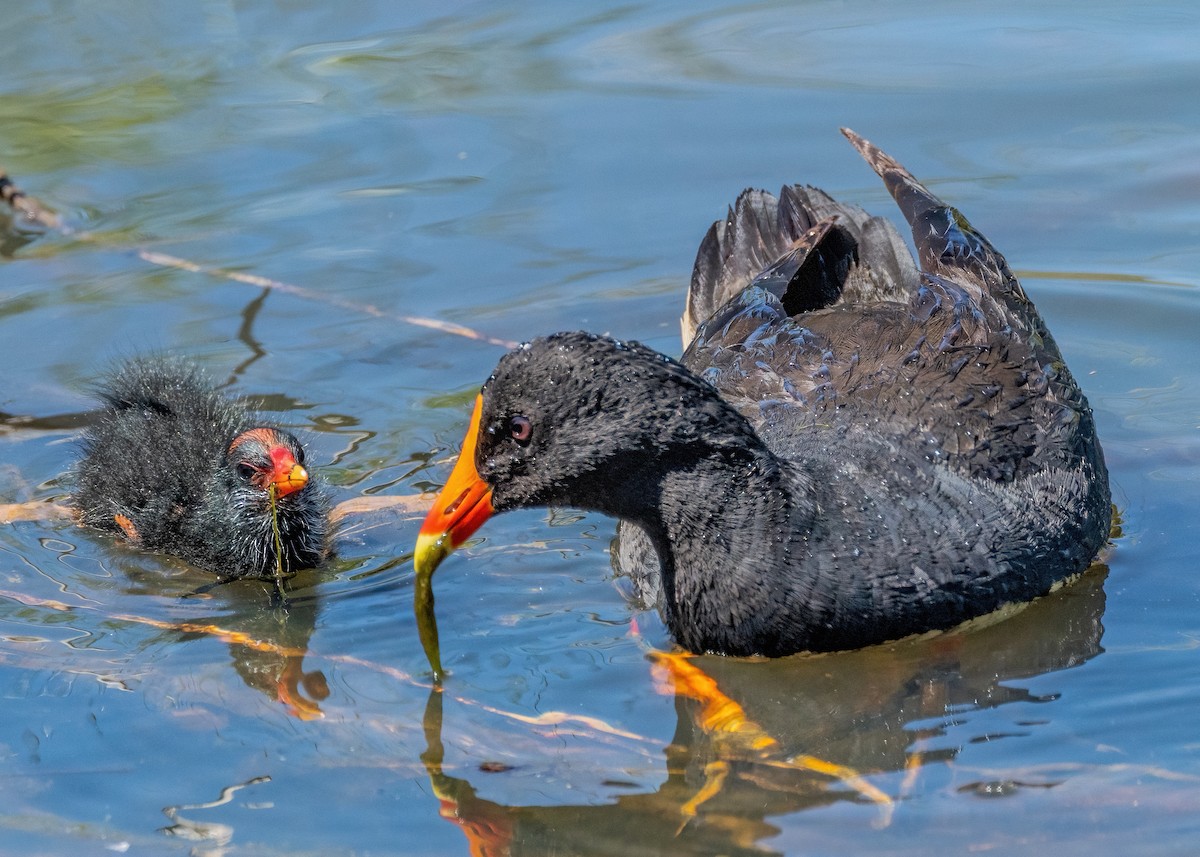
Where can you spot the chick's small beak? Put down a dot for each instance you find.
(459, 510)
(287, 476)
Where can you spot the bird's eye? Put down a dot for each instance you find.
(247, 471)
(520, 428)
(300, 455)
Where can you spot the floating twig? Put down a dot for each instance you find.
(168, 261)
(31, 210)
(34, 510)
(412, 504)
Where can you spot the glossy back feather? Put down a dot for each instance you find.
(956, 361)
(803, 243)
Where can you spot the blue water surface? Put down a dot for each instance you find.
(520, 168)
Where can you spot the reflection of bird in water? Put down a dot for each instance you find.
(177, 467)
(266, 627)
(487, 825)
(270, 650)
(857, 710)
(808, 731)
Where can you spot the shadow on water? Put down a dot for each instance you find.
(792, 734)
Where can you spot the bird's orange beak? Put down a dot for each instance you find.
(286, 475)
(459, 510)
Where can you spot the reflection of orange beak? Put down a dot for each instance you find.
(286, 475)
(460, 509)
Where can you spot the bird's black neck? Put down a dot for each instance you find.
(726, 552)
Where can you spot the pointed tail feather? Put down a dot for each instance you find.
(946, 242)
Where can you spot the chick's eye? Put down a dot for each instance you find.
(520, 428)
(247, 471)
(300, 455)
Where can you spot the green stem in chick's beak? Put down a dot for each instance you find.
(273, 499)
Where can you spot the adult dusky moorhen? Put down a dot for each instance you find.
(175, 466)
(848, 452)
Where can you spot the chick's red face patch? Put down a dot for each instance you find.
(266, 460)
(264, 437)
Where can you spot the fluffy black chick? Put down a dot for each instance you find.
(175, 466)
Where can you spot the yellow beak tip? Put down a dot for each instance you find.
(290, 482)
(430, 551)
